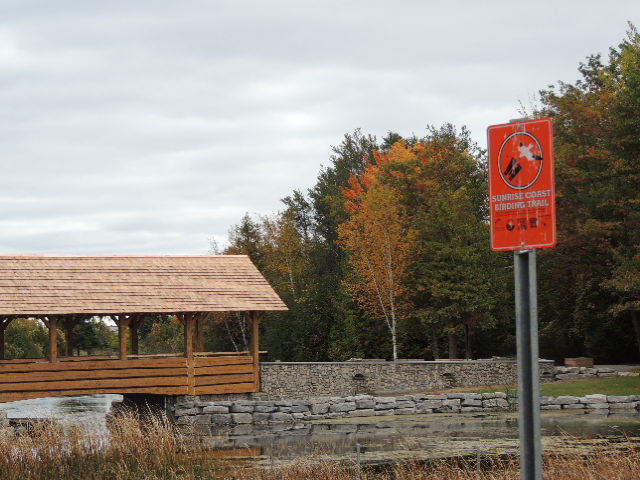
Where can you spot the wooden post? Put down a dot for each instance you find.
(3, 325)
(135, 323)
(256, 318)
(189, 325)
(53, 339)
(123, 333)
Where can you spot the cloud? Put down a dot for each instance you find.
(151, 127)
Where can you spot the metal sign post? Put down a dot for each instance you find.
(523, 218)
(528, 372)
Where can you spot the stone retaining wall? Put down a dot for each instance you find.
(580, 373)
(207, 412)
(304, 380)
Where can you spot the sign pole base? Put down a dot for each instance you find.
(528, 371)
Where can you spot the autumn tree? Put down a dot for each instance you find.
(594, 269)
(376, 238)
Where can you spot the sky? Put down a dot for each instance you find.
(151, 127)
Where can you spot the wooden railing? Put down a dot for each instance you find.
(204, 373)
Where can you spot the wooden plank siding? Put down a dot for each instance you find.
(166, 376)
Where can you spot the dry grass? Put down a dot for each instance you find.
(152, 448)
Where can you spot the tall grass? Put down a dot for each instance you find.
(152, 448)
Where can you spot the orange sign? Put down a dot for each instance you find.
(522, 185)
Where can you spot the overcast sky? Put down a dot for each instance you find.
(152, 126)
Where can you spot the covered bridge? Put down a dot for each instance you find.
(63, 290)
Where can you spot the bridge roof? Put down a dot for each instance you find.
(112, 284)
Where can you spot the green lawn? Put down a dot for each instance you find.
(607, 386)
(577, 388)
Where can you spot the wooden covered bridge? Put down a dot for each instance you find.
(64, 290)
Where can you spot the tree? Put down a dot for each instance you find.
(597, 137)
(26, 338)
(376, 238)
(93, 334)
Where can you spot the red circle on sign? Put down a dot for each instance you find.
(520, 160)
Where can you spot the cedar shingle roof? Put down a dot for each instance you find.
(65, 284)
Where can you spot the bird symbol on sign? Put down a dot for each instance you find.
(525, 151)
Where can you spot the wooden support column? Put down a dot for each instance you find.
(189, 334)
(52, 323)
(256, 318)
(123, 333)
(4, 323)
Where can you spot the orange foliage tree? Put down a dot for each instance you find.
(377, 240)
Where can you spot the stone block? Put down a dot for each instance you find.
(260, 417)
(495, 403)
(242, 417)
(265, 409)
(280, 417)
(465, 396)
(203, 420)
(184, 405)
(221, 418)
(598, 406)
(623, 406)
(593, 398)
(405, 404)
(342, 407)
(551, 407)
(319, 408)
(299, 408)
(186, 411)
(565, 400)
(241, 408)
(489, 396)
(614, 374)
(364, 412)
(574, 406)
(471, 409)
(383, 400)
(388, 411)
(429, 404)
(435, 397)
(215, 409)
(365, 403)
(471, 402)
(299, 415)
(618, 398)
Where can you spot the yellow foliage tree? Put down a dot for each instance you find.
(377, 240)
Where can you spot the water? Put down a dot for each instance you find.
(378, 439)
(418, 436)
(80, 409)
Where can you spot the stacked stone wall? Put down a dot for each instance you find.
(206, 412)
(304, 380)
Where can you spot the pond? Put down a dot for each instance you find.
(369, 440)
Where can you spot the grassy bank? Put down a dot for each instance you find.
(154, 449)
(578, 388)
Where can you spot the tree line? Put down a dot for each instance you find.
(388, 254)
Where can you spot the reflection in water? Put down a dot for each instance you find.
(378, 439)
(89, 409)
(412, 437)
